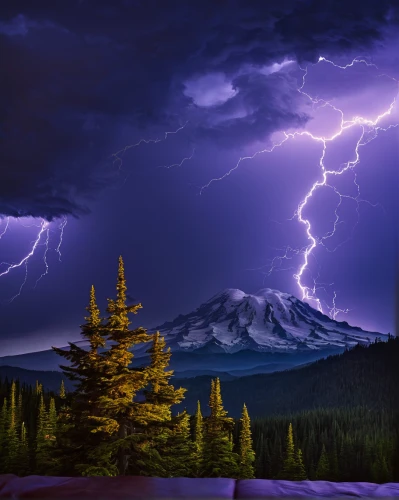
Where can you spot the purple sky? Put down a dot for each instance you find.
(89, 79)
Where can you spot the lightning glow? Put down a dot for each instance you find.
(44, 257)
(179, 164)
(61, 227)
(369, 131)
(44, 227)
(6, 227)
(119, 154)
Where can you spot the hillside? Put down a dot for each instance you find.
(362, 376)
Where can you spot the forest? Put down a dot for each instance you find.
(119, 419)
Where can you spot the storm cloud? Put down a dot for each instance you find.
(75, 75)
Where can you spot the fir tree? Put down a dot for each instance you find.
(12, 433)
(62, 390)
(290, 464)
(119, 415)
(152, 418)
(198, 435)
(247, 455)
(179, 455)
(323, 467)
(300, 470)
(74, 431)
(52, 420)
(42, 451)
(4, 419)
(23, 452)
(219, 459)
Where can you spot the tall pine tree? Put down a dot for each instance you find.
(219, 458)
(198, 434)
(247, 455)
(290, 463)
(119, 386)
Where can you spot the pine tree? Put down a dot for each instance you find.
(119, 415)
(179, 455)
(4, 422)
(290, 464)
(198, 435)
(334, 464)
(12, 433)
(23, 452)
(323, 467)
(42, 451)
(247, 455)
(52, 420)
(219, 459)
(18, 414)
(75, 429)
(62, 390)
(152, 419)
(300, 470)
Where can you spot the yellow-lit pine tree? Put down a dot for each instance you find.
(289, 465)
(246, 453)
(156, 432)
(74, 436)
(219, 458)
(198, 435)
(119, 386)
(12, 440)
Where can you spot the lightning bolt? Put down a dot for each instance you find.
(6, 227)
(44, 257)
(119, 154)
(44, 227)
(179, 164)
(369, 131)
(61, 227)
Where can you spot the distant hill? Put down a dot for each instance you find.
(362, 376)
(51, 380)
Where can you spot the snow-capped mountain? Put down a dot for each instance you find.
(269, 321)
(237, 334)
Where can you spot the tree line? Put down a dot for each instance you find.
(341, 444)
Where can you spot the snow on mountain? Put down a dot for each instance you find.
(269, 321)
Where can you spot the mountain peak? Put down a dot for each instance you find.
(267, 321)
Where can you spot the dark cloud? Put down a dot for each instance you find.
(75, 74)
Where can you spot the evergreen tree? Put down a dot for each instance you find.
(247, 455)
(62, 390)
(75, 435)
(12, 433)
(198, 435)
(290, 464)
(334, 464)
(18, 413)
(23, 452)
(3, 434)
(179, 456)
(152, 418)
(219, 459)
(119, 415)
(42, 448)
(323, 467)
(300, 470)
(52, 420)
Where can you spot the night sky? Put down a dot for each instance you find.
(89, 91)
